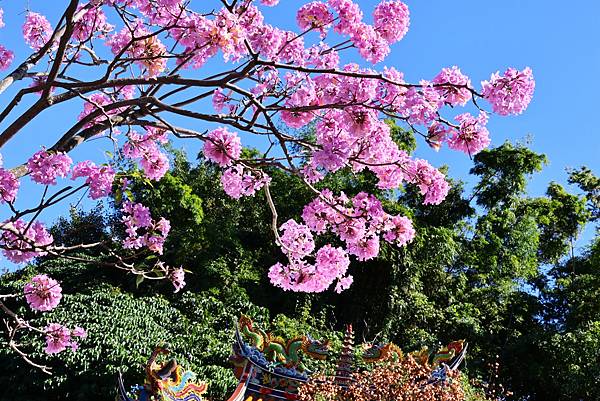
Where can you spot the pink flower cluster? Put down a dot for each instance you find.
(94, 103)
(221, 100)
(177, 277)
(21, 241)
(99, 178)
(296, 240)
(330, 264)
(222, 147)
(6, 56)
(472, 136)
(9, 186)
(145, 147)
(36, 30)
(315, 15)
(511, 92)
(158, 12)
(142, 230)
(238, 182)
(91, 24)
(359, 222)
(355, 137)
(59, 338)
(453, 86)
(43, 293)
(204, 37)
(44, 167)
(431, 182)
(147, 50)
(391, 20)
(303, 94)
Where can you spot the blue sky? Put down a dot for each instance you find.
(558, 41)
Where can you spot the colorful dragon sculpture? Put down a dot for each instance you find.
(447, 353)
(385, 352)
(164, 382)
(279, 351)
(382, 352)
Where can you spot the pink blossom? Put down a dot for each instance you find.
(44, 167)
(319, 215)
(79, 332)
(99, 178)
(453, 86)
(322, 56)
(437, 134)
(371, 45)
(177, 277)
(22, 242)
(304, 94)
(314, 15)
(222, 147)
(149, 53)
(142, 230)
(43, 293)
(270, 3)
(200, 37)
(472, 136)
(343, 284)
(95, 103)
(400, 230)
(350, 15)
(58, 338)
(1, 18)
(267, 41)
(421, 106)
(430, 181)
(220, 99)
(330, 264)
(365, 248)
(510, 93)
(311, 174)
(238, 182)
(36, 30)
(154, 163)
(160, 12)
(92, 23)
(9, 186)
(297, 240)
(391, 20)
(6, 57)
(231, 35)
(392, 95)
(291, 48)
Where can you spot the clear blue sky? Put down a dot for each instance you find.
(558, 40)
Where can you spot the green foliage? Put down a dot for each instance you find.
(503, 276)
(123, 330)
(503, 171)
(590, 184)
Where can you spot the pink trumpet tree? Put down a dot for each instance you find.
(137, 71)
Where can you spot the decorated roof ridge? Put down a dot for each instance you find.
(164, 381)
(275, 354)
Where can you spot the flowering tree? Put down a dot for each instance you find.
(143, 70)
